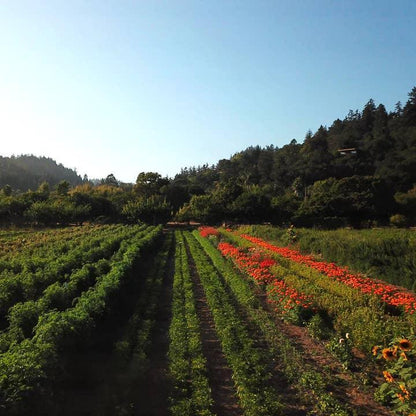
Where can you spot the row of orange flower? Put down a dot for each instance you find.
(253, 264)
(206, 231)
(390, 294)
(256, 265)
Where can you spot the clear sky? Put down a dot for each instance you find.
(113, 86)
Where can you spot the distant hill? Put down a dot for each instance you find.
(28, 172)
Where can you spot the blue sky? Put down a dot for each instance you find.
(107, 86)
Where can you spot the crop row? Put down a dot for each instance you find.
(15, 242)
(38, 255)
(132, 350)
(29, 368)
(366, 318)
(30, 285)
(249, 363)
(191, 393)
(295, 370)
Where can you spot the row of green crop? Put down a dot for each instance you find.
(133, 349)
(23, 316)
(39, 255)
(387, 254)
(18, 243)
(30, 285)
(191, 394)
(28, 369)
(37, 258)
(249, 363)
(313, 386)
(15, 242)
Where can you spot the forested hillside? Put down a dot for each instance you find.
(360, 171)
(28, 172)
(360, 168)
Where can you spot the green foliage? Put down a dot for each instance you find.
(28, 172)
(202, 208)
(149, 183)
(399, 220)
(352, 200)
(291, 359)
(37, 336)
(187, 364)
(7, 190)
(342, 349)
(24, 373)
(249, 367)
(152, 210)
(407, 204)
(62, 188)
(318, 327)
(57, 211)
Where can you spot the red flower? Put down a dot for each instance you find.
(390, 294)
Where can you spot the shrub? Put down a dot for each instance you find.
(399, 220)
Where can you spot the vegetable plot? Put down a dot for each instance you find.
(44, 333)
(167, 313)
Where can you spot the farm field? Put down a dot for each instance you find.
(140, 320)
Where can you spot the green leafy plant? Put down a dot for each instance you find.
(342, 349)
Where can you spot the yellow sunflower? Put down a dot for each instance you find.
(389, 354)
(375, 349)
(389, 378)
(405, 345)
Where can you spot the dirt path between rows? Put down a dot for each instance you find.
(219, 373)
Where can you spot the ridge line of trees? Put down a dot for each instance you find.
(359, 171)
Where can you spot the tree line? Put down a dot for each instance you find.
(359, 171)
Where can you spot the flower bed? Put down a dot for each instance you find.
(390, 294)
(283, 297)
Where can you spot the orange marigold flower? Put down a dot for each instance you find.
(401, 397)
(389, 354)
(405, 345)
(375, 349)
(404, 356)
(389, 378)
(404, 390)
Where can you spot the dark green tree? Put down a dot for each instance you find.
(63, 188)
(149, 183)
(7, 190)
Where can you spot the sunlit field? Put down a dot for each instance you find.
(251, 320)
